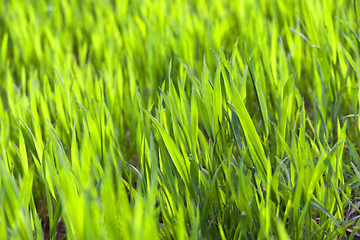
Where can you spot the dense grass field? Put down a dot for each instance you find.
(156, 119)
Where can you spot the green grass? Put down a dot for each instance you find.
(179, 119)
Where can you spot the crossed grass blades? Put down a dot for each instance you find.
(179, 119)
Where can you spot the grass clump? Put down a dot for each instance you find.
(179, 119)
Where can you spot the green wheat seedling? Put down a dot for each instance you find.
(176, 119)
